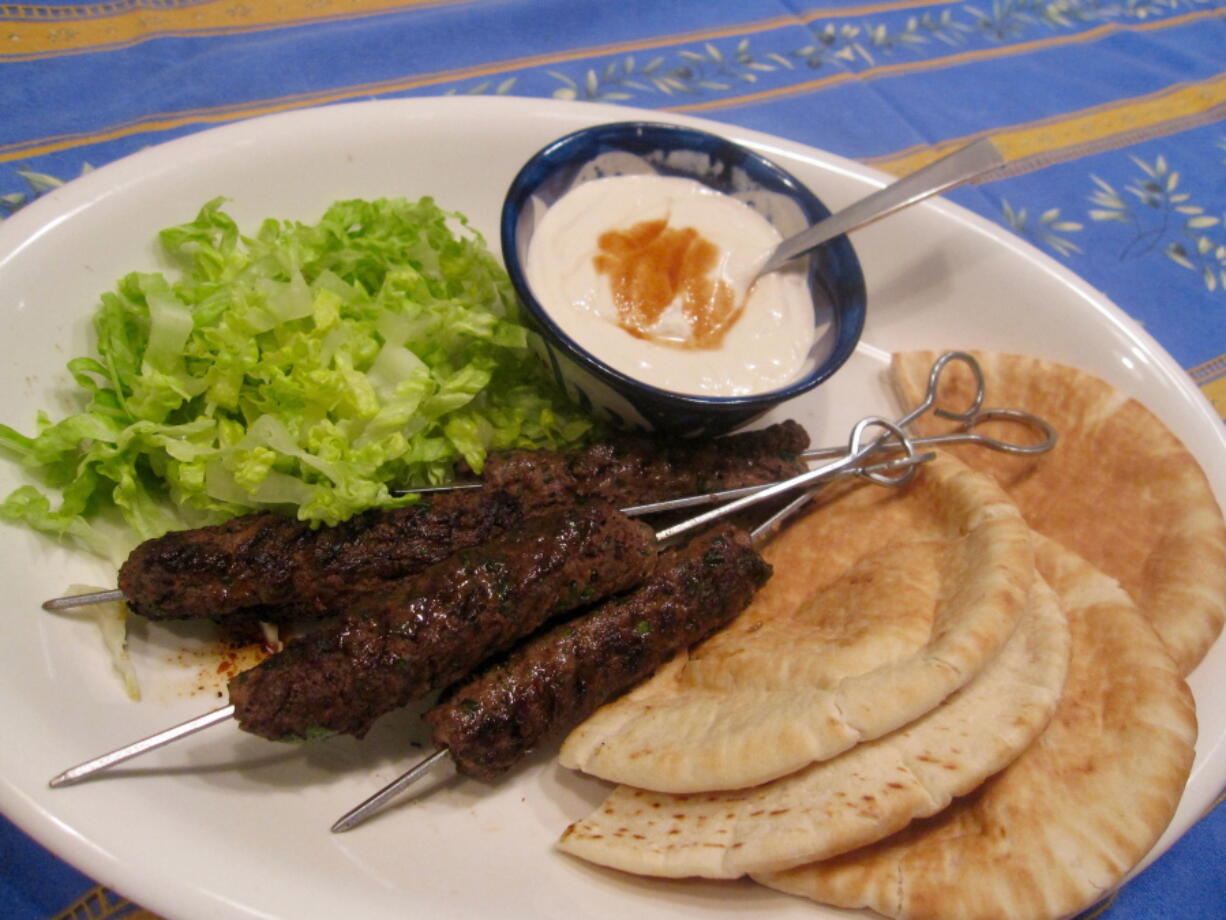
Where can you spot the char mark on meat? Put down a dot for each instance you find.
(433, 629)
(548, 685)
(637, 469)
(267, 566)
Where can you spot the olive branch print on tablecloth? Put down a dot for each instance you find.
(37, 184)
(708, 69)
(1044, 230)
(1163, 218)
(1159, 213)
(714, 67)
(502, 88)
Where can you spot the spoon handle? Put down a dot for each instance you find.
(938, 176)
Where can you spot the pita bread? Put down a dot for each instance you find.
(881, 606)
(1064, 823)
(863, 795)
(1147, 517)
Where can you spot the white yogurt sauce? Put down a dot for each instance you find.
(767, 345)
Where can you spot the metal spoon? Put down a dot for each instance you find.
(943, 174)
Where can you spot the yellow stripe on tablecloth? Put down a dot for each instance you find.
(1204, 373)
(1071, 134)
(31, 31)
(953, 60)
(1211, 377)
(100, 903)
(224, 114)
(237, 111)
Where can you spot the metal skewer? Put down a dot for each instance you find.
(83, 600)
(859, 446)
(166, 736)
(903, 469)
(153, 742)
(376, 803)
(966, 435)
(72, 601)
(892, 436)
(972, 417)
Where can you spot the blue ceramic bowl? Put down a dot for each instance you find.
(629, 148)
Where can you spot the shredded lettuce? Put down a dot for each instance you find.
(309, 368)
(111, 618)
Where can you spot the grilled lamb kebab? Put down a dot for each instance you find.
(437, 627)
(552, 682)
(271, 567)
(267, 566)
(637, 469)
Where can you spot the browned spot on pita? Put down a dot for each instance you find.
(1119, 489)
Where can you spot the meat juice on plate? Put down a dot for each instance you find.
(654, 275)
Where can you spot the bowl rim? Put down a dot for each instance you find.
(848, 312)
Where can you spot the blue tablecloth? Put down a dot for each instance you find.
(1111, 113)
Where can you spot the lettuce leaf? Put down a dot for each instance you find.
(307, 368)
(111, 619)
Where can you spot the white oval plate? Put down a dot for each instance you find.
(224, 825)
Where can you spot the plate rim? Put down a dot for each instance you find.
(95, 188)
